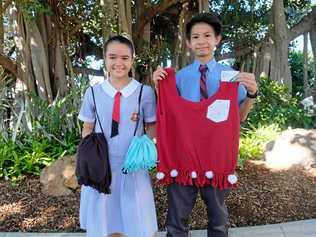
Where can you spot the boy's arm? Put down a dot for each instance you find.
(245, 108)
(249, 81)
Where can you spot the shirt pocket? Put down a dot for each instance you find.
(218, 111)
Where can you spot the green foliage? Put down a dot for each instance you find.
(40, 133)
(274, 111)
(253, 140)
(275, 106)
(33, 8)
(296, 60)
(20, 159)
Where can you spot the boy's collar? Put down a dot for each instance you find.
(210, 64)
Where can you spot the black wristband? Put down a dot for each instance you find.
(252, 96)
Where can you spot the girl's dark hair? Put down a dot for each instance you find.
(121, 39)
(206, 17)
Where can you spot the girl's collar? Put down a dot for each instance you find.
(126, 91)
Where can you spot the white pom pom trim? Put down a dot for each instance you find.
(209, 174)
(193, 175)
(232, 178)
(174, 173)
(160, 175)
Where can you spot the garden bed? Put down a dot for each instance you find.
(263, 197)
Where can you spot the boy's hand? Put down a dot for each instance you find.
(249, 81)
(159, 74)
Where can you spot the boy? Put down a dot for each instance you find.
(203, 33)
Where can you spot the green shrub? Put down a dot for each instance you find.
(28, 158)
(274, 105)
(253, 140)
(39, 133)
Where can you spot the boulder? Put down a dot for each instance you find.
(293, 147)
(59, 178)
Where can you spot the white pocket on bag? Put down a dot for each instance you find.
(218, 111)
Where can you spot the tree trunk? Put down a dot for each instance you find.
(23, 60)
(108, 21)
(125, 17)
(312, 37)
(41, 55)
(204, 6)
(272, 59)
(1, 28)
(183, 54)
(305, 66)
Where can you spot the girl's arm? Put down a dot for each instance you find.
(151, 130)
(87, 128)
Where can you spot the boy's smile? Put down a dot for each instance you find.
(203, 41)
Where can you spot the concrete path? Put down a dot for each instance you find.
(306, 228)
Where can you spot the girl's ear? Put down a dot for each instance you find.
(188, 44)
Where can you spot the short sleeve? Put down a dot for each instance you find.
(87, 113)
(149, 104)
(242, 92)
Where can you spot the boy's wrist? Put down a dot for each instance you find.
(252, 96)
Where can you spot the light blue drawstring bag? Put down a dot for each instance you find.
(142, 152)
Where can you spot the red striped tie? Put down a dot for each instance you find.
(116, 114)
(203, 90)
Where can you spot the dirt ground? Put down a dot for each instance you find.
(263, 197)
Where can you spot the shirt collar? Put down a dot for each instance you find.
(210, 65)
(126, 91)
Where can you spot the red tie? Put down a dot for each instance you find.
(203, 90)
(116, 114)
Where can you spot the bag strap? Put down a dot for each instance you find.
(95, 109)
(138, 112)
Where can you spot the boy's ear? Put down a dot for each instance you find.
(218, 39)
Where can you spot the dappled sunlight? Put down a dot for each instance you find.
(40, 218)
(10, 209)
(293, 147)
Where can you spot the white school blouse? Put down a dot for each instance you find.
(130, 207)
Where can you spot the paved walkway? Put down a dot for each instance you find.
(306, 228)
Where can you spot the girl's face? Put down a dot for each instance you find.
(119, 60)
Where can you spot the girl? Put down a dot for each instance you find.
(129, 210)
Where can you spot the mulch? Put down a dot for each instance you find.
(263, 197)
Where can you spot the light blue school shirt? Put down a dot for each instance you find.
(188, 80)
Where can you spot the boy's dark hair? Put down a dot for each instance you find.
(121, 39)
(207, 18)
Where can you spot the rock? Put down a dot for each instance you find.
(59, 178)
(292, 147)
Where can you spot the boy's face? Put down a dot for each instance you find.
(203, 41)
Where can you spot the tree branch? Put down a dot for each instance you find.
(9, 65)
(88, 71)
(305, 25)
(235, 54)
(148, 14)
(5, 6)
